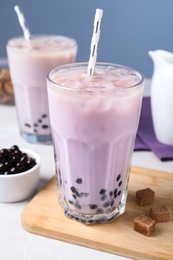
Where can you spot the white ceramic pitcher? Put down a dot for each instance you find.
(162, 95)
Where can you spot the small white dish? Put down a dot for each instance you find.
(20, 186)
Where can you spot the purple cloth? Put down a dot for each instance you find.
(146, 139)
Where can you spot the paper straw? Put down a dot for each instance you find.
(22, 22)
(94, 41)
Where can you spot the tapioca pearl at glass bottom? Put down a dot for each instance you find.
(79, 181)
(104, 197)
(109, 203)
(78, 194)
(95, 220)
(92, 206)
(78, 206)
(118, 177)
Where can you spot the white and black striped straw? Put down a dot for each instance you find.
(22, 22)
(94, 41)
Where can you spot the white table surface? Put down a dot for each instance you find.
(15, 242)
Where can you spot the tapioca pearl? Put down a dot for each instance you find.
(106, 204)
(35, 125)
(74, 196)
(83, 194)
(20, 166)
(8, 164)
(77, 205)
(79, 180)
(17, 152)
(120, 183)
(92, 206)
(119, 193)
(39, 120)
(24, 158)
(30, 164)
(2, 159)
(13, 148)
(2, 167)
(4, 153)
(115, 191)
(118, 177)
(27, 125)
(44, 116)
(115, 196)
(14, 159)
(71, 202)
(102, 191)
(73, 189)
(103, 197)
(111, 193)
(13, 170)
(99, 211)
(45, 126)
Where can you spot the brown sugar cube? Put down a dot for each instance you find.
(145, 197)
(160, 213)
(144, 225)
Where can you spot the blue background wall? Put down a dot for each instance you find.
(130, 28)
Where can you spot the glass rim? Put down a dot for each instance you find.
(34, 36)
(98, 64)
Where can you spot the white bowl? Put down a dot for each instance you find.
(22, 185)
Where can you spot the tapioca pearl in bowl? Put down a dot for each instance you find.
(17, 186)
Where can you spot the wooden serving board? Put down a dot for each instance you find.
(43, 216)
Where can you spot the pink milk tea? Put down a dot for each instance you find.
(94, 121)
(30, 62)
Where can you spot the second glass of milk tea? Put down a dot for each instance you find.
(94, 121)
(29, 62)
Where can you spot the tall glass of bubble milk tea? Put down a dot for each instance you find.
(29, 63)
(94, 121)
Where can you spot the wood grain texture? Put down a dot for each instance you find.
(43, 216)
